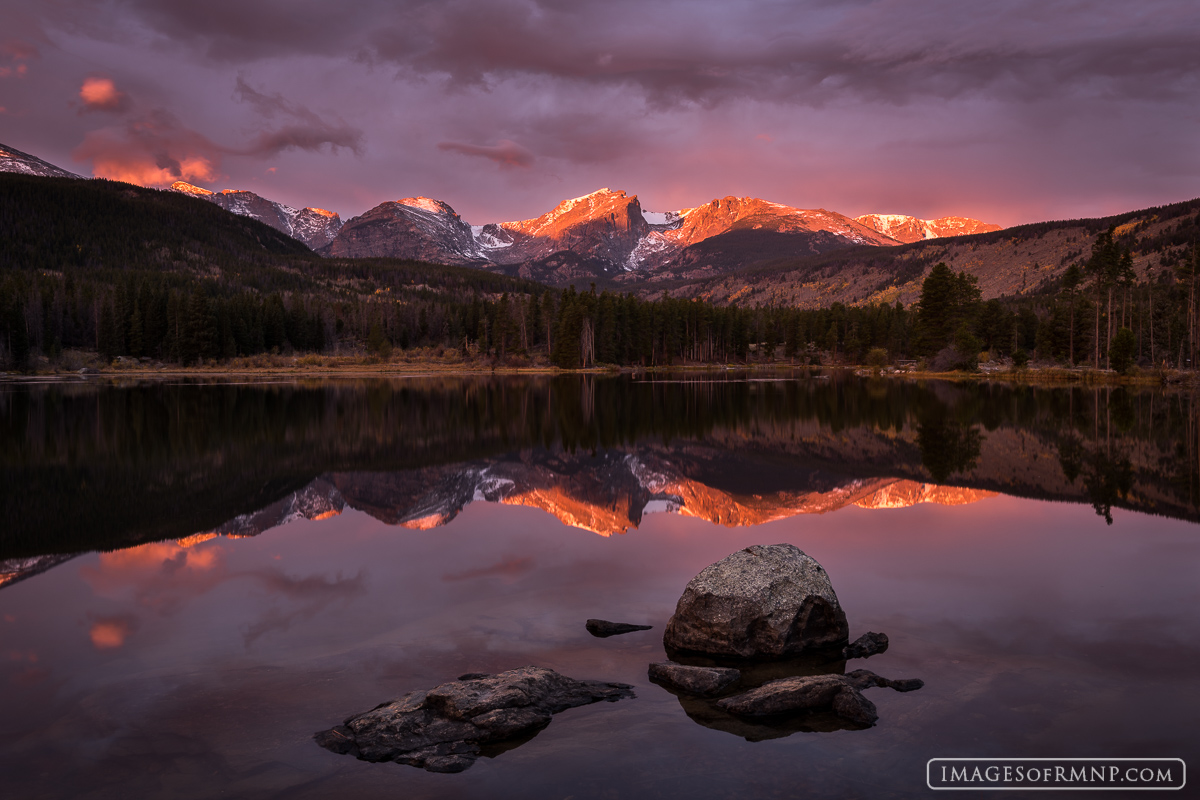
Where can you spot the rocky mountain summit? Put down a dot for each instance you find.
(13, 160)
(316, 227)
(906, 229)
(605, 233)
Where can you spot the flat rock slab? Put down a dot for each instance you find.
(841, 693)
(701, 681)
(767, 601)
(445, 729)
(865, 646)
(602, 628)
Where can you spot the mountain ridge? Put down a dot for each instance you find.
(604, 235)
(316, 227)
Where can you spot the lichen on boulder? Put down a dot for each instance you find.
(766, 601)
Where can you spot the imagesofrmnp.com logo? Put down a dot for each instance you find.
(992, 774)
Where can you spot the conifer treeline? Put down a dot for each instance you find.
(127, 271)
(1101, 315)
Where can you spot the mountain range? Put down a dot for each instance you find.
(605, 235)
(316, 227)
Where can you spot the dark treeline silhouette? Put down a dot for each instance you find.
(91, 467)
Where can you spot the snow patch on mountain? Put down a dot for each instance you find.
(316, 227)
(904, 228)
(653, 243)
(13, 160)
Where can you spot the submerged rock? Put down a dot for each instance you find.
(603, 628)
(767, 601)
(865, 646)
(445, 729)
(702, 681)
(840, 693)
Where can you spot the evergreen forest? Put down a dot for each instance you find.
(129, 272)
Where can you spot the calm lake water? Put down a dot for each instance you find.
(197, 577)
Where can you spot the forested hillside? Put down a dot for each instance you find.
(123, 271)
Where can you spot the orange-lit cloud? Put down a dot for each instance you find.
(152, 150)
(505, 153)
(109, 633)
(162, 575)
(101, 94)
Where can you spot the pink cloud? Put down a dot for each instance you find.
(101, 94)
(151, 150)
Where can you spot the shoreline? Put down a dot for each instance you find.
(1048, 376)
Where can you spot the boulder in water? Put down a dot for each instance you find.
(702, 681)
(767, 601)
(445, 729)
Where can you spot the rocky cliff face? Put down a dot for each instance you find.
(908, 229)
(415, 227)
(316, 227)
(602, 234)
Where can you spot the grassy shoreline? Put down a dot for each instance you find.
(358, 367)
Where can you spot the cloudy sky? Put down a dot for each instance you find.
(1010, 111)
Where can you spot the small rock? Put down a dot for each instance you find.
(703, 681)
(767, 601)
(841, 693)
(445, 729)
(865, 646)
(603, 628)
(863, 679)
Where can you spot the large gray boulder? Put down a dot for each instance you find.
(445, 729)
(767, 601)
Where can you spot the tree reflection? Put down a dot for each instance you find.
(85, 466)
(947, 445)
(1106, 469)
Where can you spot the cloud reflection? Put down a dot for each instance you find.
(511, 568)
(110, 633)
(311, 594)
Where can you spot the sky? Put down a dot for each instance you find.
(1009, 111)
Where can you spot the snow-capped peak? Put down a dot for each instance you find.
(13, 160)
(183, 187)
(425, 204)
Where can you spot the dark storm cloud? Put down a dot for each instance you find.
(675, 52)
(305, 131)
(1013, 110)
(506, 153)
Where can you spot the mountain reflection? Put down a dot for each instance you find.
(86, 467)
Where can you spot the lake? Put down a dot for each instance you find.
(196, 577)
